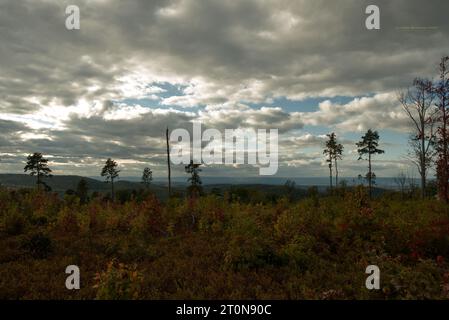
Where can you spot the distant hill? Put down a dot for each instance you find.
(64, 182)
(274, 187)
(61, 183)
(320, 182)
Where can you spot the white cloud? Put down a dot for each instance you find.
(381, 111)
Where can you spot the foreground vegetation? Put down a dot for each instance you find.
(219, 247)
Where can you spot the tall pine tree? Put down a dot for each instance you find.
(110, 172)
(333, 152)
(193, 169)
(367, 147)
(38, 166)
(147, 177)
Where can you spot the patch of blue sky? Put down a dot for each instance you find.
(168, 90)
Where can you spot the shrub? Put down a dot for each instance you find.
(14, 223)
(118, 282)
(38, 245)
(214, 247)
(68, 222)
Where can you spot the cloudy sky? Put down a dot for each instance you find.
(303, 67)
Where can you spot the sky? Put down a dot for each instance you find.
(306, 68)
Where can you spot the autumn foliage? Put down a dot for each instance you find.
(216, 247)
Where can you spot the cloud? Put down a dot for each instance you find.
(224, 51)
(381, 111)
(71, 93)
(242, 116)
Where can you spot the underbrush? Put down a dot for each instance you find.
(220, 248)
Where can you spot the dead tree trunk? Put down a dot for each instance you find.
(168, 163)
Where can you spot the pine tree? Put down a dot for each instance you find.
(147, 177)
(368, 146)
(38, 166)
(195, 182)
(82, 190)
(338, 153)
(333, 151)
(329, 152)
(110, 172)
